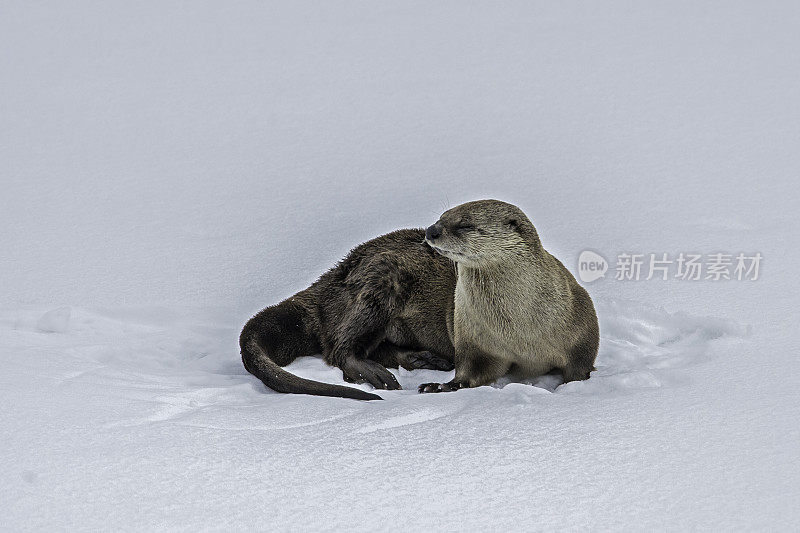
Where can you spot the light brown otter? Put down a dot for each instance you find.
(517, 308)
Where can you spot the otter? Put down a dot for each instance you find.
(517, 308)
(389, 302)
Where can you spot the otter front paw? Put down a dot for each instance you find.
(441, 387)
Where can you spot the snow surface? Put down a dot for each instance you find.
(170, 168)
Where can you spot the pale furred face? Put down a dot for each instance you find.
(479, 233)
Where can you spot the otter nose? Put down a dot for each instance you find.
(433, 232)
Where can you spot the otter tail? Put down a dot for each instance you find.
(258, 363)
(276, 337)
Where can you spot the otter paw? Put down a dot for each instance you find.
(372, 372)
(427, 360)
(441, 387)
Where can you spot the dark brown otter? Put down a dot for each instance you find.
(388, 303)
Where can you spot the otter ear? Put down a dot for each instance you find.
(511, 222)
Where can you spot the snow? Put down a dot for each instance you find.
(167, 170)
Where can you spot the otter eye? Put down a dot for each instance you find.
(463, 227)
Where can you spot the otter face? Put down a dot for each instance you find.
(479, 233)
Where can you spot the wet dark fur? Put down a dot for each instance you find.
(388, 303)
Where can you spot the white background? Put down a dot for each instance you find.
(169, 168)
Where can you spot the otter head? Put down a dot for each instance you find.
(482, 233)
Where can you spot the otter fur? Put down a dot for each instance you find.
(517, 308)
(388, 303)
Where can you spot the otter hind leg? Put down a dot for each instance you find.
(575, 374)
(580, 362)
(352, 353)
(366, 370)
(364, 327)
(413, 360)
(393, 356)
